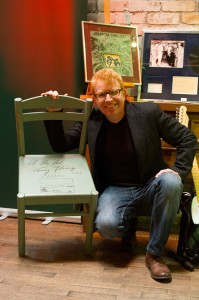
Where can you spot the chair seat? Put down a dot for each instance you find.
(56, 174)
(56, 179)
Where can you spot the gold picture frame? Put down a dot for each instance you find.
(111, 46)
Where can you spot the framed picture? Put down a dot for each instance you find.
(170, 65)
(111, 46)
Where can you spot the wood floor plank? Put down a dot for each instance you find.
(55, 267)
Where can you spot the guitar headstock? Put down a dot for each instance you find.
(181, 115)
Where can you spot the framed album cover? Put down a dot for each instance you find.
(111, 46)
(170, 65)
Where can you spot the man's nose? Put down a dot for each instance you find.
(108, 97)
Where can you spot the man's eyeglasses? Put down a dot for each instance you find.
(102, 96)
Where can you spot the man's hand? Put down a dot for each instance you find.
(165, 171)
(54, 95)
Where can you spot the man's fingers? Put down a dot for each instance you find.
(53, 94)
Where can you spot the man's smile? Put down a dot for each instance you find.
(111, 106)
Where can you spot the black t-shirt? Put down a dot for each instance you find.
(116, 157)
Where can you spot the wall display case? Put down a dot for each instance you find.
(170, 65)
(111, 46)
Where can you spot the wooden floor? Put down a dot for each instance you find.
(55, 267)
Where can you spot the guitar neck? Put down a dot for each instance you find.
(195, 174)
(182, 116)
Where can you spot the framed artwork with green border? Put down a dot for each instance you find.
(111, 46)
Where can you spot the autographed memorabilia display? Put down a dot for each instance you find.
(111, 46)
(170, 65)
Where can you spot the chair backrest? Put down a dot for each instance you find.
(35, 109)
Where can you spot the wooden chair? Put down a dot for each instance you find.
(54, 179)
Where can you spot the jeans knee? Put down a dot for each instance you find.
(107, 218)
(106, 225)
(107, 230)
(171, 183)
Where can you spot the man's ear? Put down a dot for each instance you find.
(94, 101)
(124, 92)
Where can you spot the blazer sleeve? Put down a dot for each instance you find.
(179, 136)
(60, 140)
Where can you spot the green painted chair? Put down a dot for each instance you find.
(54, 179)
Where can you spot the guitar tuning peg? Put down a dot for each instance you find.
(177, 112)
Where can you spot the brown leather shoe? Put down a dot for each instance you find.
(157, 267)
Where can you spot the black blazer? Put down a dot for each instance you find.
(148, 124)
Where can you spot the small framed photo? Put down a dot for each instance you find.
(170, 65)
(111, 46)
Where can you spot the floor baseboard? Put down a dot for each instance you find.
(12, 212)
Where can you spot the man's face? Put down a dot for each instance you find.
(109, 98)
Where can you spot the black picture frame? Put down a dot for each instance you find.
(177, 79)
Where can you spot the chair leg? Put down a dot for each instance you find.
(90, 224)
(21, 224)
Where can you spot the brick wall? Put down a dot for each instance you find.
(148, 14)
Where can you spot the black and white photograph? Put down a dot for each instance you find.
(166, 54)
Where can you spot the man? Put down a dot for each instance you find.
(127, 165)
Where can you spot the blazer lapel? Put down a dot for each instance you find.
(136, 123)
(94, 127)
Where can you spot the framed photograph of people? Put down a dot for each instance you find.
(111, 46)
(170, 65)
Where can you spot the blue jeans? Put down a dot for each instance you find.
(160, 199)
